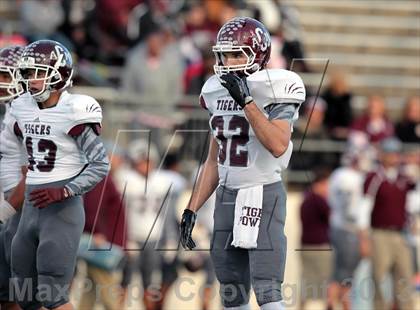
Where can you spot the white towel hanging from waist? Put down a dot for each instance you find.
(248, 211)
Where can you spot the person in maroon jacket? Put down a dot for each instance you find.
(316, 252)
(105, 219)
(374, 122)
(385, 193)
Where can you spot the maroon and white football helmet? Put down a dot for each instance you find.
(50, 62)
(10, 88)
(246, 35)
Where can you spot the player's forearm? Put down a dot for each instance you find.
(88, 179)
(205, 185)
(98, 163)
(271, 136)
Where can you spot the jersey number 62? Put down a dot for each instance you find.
(238, 134)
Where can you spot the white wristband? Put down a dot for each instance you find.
(248, 100)
(6, 211)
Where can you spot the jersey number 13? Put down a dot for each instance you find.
(44, 146)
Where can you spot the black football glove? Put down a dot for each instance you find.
(237, 88)
(187, 225)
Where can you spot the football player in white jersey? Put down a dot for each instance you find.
(11, 157)
(66, 158)
(252, 110)
(345, 198)
(12, 168)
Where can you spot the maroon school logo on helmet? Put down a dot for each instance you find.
(9, 86)
(248, 36)
(49, 61)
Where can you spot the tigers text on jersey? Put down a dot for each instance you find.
(243, 161)
(12, 154)
(53, 154)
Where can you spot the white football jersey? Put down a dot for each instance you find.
(243, 161)
(345, 196)
(53, 154)
(144, 198)
(12, 154)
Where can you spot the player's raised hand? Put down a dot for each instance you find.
(237, 88)
(41, 198)
(187, 225)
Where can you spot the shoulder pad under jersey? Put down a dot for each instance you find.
(211, 90)
(85, 110)
(276, 86)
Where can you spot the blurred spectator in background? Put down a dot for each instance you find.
(196, 20)
(412, 170)
(384, 212)
(194, 77)
(311, 127)
(194, 34)
(344, 198)
(408, 130)
(169, 242)
(197, 73)
(11, 39)
(338, 116)
(277, 59)
(41, 19)
(313, 119)
(105, 220)
(154, 69)
(112, 18)
(199, 26)
(374, 122)
(290, 33)
(144, 17)
(218, 13)
(316, 253)
(145, 194)
(199, 260)
(80, 27)
(153, 72)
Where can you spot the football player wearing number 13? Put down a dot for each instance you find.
(252, 113)
(66, 158)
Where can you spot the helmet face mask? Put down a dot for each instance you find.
(226, 47)
(48, 62)
(31, 74)
(247, 36)
(10, 88)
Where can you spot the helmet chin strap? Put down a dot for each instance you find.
(254, 68)
(42, 97)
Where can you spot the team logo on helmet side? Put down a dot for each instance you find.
(246, 35)
(10, 88)
(261, 39)
(50, 62)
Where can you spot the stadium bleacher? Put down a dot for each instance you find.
(376, 42)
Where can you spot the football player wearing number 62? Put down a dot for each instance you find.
(252, 110)
(66, 158)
